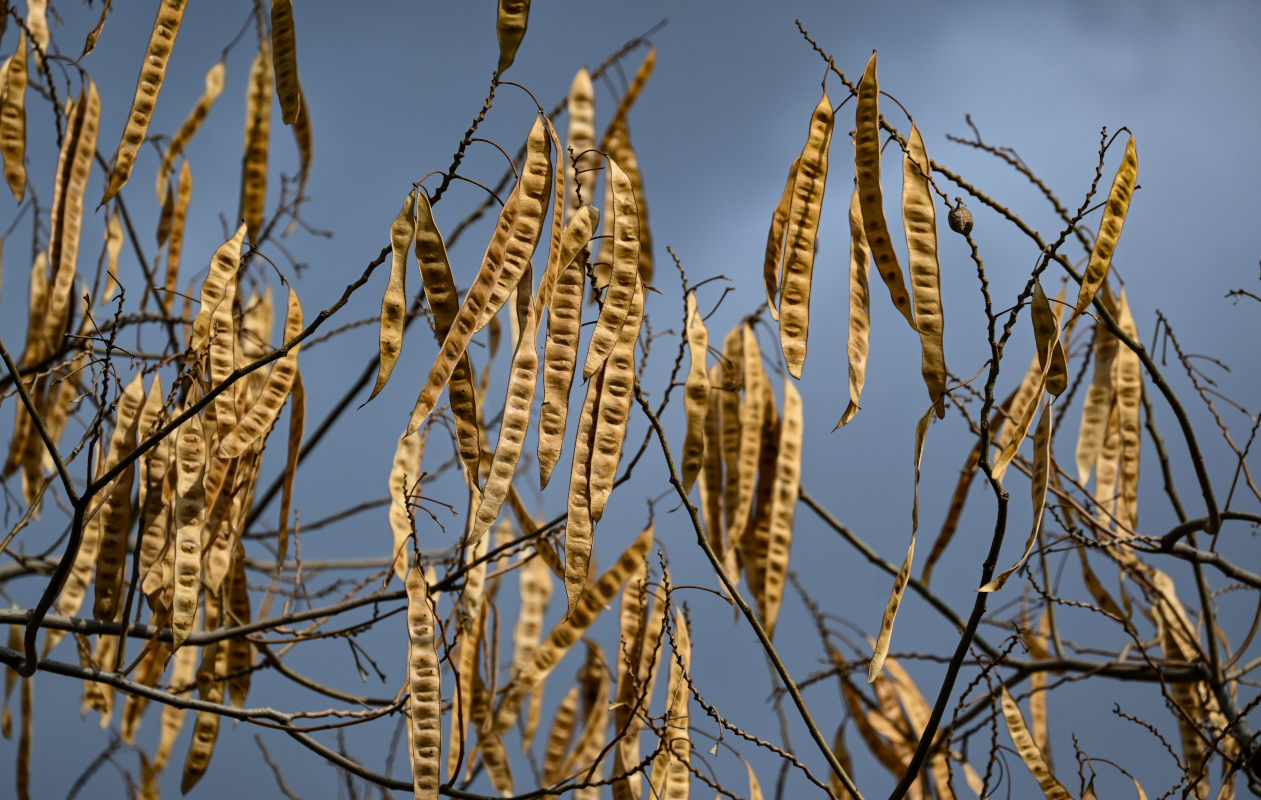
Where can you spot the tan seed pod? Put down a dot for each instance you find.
(175, 247)
(711, 478)
(215, 79)
(695, 395)
(147, 674)
(536, 592)
(754, 544)
(633, 91)
(190, 518)
(671, 777)
(152, 72)
(284, 46)
(1128, 379)
(240, 655)
(859, 309)
(510, 26)
(560, 354)
(526, 224)
(89, 43)
(266, 408)
(579, 527)
(580, 140)
(1109, 229)
(919, 218)
(801, 237)
(424, 687)
(1028, 749)
(257, 140)
(1041, 467)
(512, 429)
(564, 720)
(750, 445)
(867, 167)
(115, 512)
(1098, 402)
(625, 272)
(37, 25)
(13, 120)
(394, 303)
(471, 614)
(959, 218)
(404, 479)
(182, 683)
(74, 166)
(616, 391)
(223, 271)
(783, 501)
(444, 304)
(206, 729)
(618, 146)
(302, 137)
(773, 264)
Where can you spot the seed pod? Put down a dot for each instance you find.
(152, 71)
(284, 46)
(13, 120)
(960, 218)
(257, 135)
(513, 17)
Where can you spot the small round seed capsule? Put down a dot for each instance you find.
(960, 219)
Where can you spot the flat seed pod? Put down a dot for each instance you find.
(1094, 415)
(89, 43)
(1109, 228)
(424, 688)
(223, 270)
(37, 25)
(579, 527)
(711, 479)
(617, 300)
(175, 247)
(801, 237)
(512, 429)
(919, 217)
(182, 682)
(633, 91)
(569, 630)
(394, 303)
(471, 614)
(1028, 750)
(206, 729)
(240, 655)
(115, 512)
(257, 140)
(215, 79)
(871, 198)
(536, 591)
(13, 120)
(152, 72)
(732, 435)
(695, 395)
(284, 46)
(526, 224)
(558, 739)
(190, 519)
(783, 502)
(266, 409)
(74, 165)
(444, 304)
(404, 479)
(618, 145)
(510, 25)
(465, 322)
(560, 354)
(1128, 379)
(580, 139)
(616, 392)
(754, 544)
(676, 756)
(773, 264)
(1046, 336)
(859, 309)
(750, 446)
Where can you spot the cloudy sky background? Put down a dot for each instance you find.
(392, 87)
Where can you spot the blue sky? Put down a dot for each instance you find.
(391, 88)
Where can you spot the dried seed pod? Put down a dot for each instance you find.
(960, 218)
